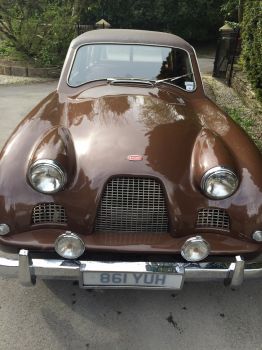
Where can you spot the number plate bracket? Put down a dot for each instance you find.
(131, 275)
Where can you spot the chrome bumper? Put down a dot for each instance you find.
(28, 270)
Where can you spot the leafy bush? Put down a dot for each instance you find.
(8, 51)
(6, 48)
(40, 30)
(56, 39)
(251, 29)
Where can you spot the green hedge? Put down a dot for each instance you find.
(251, 29)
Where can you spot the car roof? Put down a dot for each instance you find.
(130, 36)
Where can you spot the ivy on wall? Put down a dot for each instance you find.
(251, 33)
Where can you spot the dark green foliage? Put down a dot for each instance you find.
(229, 10)
(251, 32)
(194, 20)
(8, 50)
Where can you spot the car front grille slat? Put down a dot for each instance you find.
(215, 218)
(49, 213)
(132, 204)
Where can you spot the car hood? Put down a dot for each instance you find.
(158, 126)
(91, 134)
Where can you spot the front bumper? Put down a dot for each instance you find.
(28, 269)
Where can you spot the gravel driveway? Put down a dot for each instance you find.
(226, 98)
(59, 316)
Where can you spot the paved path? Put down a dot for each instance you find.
(16, 101)
(206, 65)
(59, 316)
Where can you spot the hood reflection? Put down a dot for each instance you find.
(108, 129)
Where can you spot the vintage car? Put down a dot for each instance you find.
(128, 176)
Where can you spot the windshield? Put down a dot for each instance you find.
(119, 61)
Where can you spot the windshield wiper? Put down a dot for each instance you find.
(115, 81)
(150, 83)
(171, 79)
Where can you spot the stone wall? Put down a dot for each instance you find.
(22, 69)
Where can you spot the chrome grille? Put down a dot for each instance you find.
(132, 204)
(213, 218)
(49, 213)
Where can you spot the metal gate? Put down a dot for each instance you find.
(228, 49)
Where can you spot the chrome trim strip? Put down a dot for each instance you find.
(29, 269)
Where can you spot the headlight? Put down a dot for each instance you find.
(69, 245)
(195, 249)
(46, 176)
(257, 236)
(219, 183)
(4, 229)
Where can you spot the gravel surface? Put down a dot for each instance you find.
(10, 79)
(227, 99)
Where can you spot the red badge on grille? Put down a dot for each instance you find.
(135, 157)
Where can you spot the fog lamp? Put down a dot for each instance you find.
(257, 236)
(4, 229)
(69, 245)
(195, 249)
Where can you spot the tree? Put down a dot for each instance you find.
(14, 17)
(196, 20)
(52, 22)
(229, 10)
(40, 29)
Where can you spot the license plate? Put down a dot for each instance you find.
(132, 280)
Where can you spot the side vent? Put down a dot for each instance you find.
(46, 213)
(214, 218)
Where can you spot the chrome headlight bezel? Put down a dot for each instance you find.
(216, 171)
(196, 242)
(49, 163)
(257, 236)
(70, 252)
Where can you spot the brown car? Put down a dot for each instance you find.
(128, 176)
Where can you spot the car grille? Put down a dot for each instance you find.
(49, 213)
(213, 218)
(132, 204)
